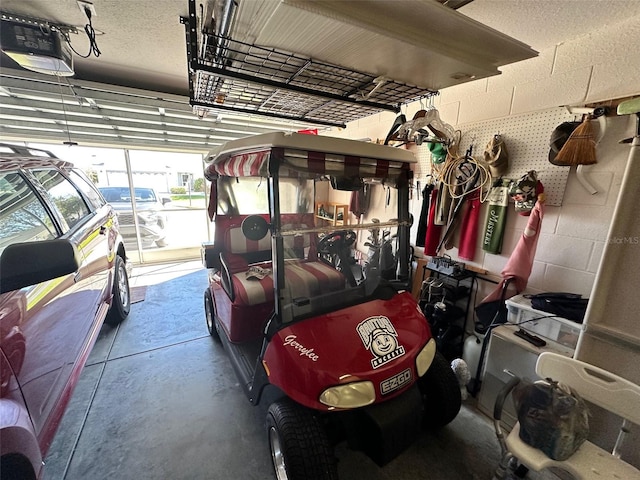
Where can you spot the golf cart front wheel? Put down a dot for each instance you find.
(440, 392)
(300, 448)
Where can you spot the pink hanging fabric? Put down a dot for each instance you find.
(520, 263)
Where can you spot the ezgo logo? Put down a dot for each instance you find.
(395, 382)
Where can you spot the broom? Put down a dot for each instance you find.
(580, 147)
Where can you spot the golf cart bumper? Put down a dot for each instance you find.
(384, 430)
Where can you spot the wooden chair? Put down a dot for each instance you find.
(611, 392)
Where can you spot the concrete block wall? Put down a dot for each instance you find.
(599, 66)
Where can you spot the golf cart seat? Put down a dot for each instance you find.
(250, 301)
(604, 389)
(304, 278)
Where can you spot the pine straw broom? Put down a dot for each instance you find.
(580, 147)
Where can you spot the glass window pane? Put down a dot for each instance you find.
(242, 196)
(66, 198)
(249, 196)
(170, 202)
(171, 227)
(89, 190)
(23, 218)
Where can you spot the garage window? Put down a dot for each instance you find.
(22, 217)
(65, 196)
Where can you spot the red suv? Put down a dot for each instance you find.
(62, 273)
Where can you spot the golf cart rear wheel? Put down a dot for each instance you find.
(440, 392)
(300, 448)
(210, 315)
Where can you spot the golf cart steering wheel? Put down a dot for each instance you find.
(336, 242)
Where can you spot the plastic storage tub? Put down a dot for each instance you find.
(544, 324)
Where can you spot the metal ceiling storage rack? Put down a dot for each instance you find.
(226, 74)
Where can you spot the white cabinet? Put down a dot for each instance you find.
(506, 351)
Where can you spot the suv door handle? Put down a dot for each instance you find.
(103, 230)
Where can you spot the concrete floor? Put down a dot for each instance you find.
(158, 399)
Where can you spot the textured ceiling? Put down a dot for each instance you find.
(544, 23)
(143, 43)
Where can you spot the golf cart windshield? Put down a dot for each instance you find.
(333, 229)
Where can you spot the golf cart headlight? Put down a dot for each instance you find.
(425, 357)
(350, 395)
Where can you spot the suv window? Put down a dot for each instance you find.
(89, 190)
(23, 218)
(68, 200)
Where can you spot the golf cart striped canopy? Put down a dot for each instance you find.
(310, 156)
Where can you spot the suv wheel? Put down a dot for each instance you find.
(440, 392)
(121, 303)
(210, 315)
(300, 448)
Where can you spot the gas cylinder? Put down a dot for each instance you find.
(471, 352)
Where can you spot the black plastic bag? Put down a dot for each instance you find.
(553, 418)
(566, 305)
(490, 314)
(494, 312)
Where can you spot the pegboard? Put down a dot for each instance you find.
(526, 137)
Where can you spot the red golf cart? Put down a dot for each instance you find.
(338, 342)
